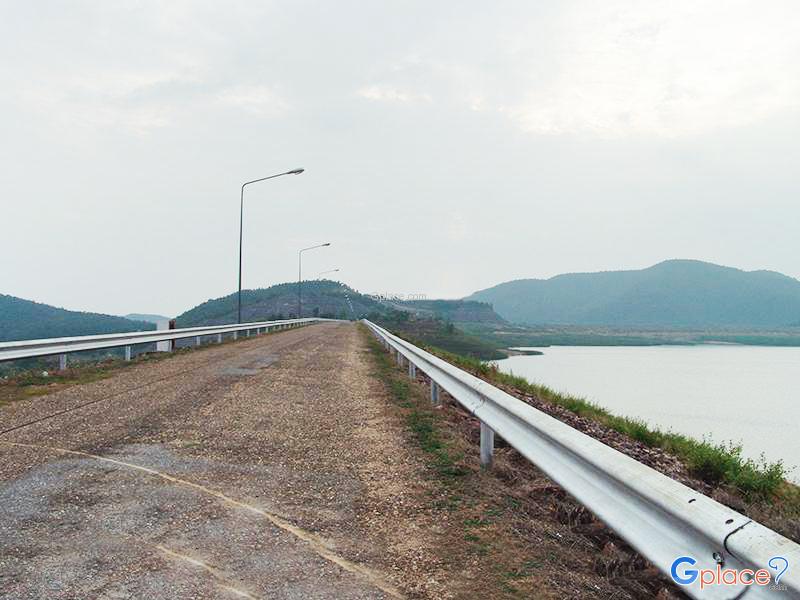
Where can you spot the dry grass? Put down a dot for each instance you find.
(509, 531)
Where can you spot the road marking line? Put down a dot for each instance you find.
(316, 544)
(221, 582)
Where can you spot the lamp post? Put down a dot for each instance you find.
(241, 226)
(300, 277)
(326, 272)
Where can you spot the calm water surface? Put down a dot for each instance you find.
(747, 394)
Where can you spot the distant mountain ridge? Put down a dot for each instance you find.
(147, 318)
(326, 298)
(673, 293)
(22, 319)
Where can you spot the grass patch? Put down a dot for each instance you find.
(501, 523)
(421, 420)
(714, 463)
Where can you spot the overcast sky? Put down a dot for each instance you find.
(448, 146)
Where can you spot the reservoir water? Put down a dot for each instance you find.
(746, 394)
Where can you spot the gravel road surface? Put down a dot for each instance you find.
(265, 468)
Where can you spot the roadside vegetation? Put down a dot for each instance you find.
(714, 463)
(757, 488)
(437, 332)
(508, 532)
(540, 336)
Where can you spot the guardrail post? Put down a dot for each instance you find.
(166, 345)
(247, 333)
(435, 394)
(219, 338)
(62, 362)
(197, 341)
(487, 445)
(412, 370)
(399, 358)
(127, 352)
(173, 343)
(235, 335)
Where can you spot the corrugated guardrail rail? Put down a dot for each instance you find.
(661, 518)
(65, 345)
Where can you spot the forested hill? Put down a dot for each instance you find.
(320, 298)
(457, 311)
(26, 320)
(674, 293)
(325, 298)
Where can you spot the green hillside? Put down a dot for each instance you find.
(26, 320)
(674, 293)
(327, 298)
(429, 322)
(323, 298)
(457, 311)
(438, 332)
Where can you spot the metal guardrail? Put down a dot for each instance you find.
(659, 517)
(65, 345)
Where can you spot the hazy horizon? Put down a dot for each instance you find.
(131, 314)
(446, 148)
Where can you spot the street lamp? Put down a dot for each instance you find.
(300, 277)
(241, 221)
(326, 272)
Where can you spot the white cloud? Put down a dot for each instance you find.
(468, 119)
(259, 100)
(124, 100)
(664, 69)
(385, 93)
